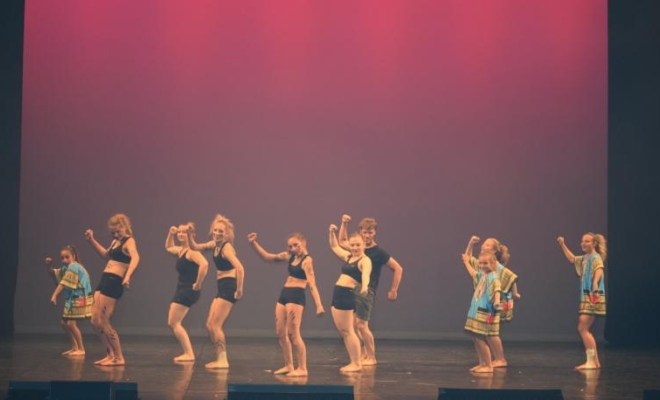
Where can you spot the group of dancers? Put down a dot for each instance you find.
(495, 290)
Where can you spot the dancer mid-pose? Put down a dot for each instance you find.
(590, 267)
(230, 274)
(192, 268)
(509, 283)
(483, 319)
(355, 275)
(364, 303)
(123, 259)
(73, 279)
(291, 304)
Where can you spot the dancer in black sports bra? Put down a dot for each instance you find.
(191, 267)
(123, 259)
(356, 273)
(291, 304)
(229, 274)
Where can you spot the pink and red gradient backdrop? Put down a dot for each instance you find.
(442, 119)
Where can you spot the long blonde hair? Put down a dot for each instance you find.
(601, 244)
(123, 221)
(219, 218)
(501, 252)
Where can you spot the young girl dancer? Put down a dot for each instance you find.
(72, 279)
(590, 268)
(291, 304)
(230, 274)
(191, 267)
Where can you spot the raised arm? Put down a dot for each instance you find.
(365, 265)
(569, 255)
(169, 242)
(308, 267)
(334, 244)
(100, 250)
(343, 231)
(198, 246)
(469, 250)
(50, 270)
(466, 262)
(203, 269)
(131, 249)
(263, 253)
(229, 254)
(397, 274)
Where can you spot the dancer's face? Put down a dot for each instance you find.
(117, 231)
(66, 257)
(356, 246)
(182, 234)
(368, 235)
(587, 244)
(486, 263)
(295, 246)
(219, 232)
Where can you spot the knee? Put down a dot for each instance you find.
(281, 332)
(64, 324)
(209, 326)
(294, 336)
(362, 326)
(173, 324)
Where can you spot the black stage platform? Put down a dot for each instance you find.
(406, 369)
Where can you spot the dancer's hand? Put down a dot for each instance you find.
(560, 240)
(89, 235)
(364, 290)
(53, 300)
(392, 295)
(173, 230)
(197, 287)
(332, 228)
(252, 237)
(48, 261)
(238, 294)
(345, 219)
(474, 239)
(127, 282)
(320, 311)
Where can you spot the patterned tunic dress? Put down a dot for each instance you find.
(483, 319)
(78, 296)
(591, 302)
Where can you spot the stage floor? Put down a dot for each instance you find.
(406, 369)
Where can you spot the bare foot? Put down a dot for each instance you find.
(475, 367)
(587, 366)
(217, 365)
(283, 371)
(77, 353)
(64, 353)
(500, 364)
(483, 369)
(351, 368)
(184, 358)
(114, 362)
(297, 373)
(368, 361)
(103, 360)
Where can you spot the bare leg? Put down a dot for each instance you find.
(584, 324)
(484, 355)
(220, 309)
(369, 355)
(110, 337)
(96, 324)
(76, 336)
(283, 339)
(495, 344)
(65, 328)
(176, 315)
(344, 323)
(476, 349)
(294, 313)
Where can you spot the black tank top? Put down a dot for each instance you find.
(352, 270)
(297, 271)
(117, 254)
(187, 269)
(221, 263)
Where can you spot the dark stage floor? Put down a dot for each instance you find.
(411, 370)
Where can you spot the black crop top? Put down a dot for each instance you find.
(352, 270)
(297, 271)
(187, 269)
(117, 254)
(221, 263)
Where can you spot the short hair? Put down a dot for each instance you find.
(368, 223)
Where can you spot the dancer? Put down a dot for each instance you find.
(355, 275)
(483, 319)
(509, 284)
(590, 268)
(291, 304)
(230, 274)
(123, 259)
(364, 303)
(192, 268)
(72, 279)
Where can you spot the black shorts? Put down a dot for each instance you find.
(185, 295)
(110, 285)
(293, 295)
(343, 298)
(227, 289)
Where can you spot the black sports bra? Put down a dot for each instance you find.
(352, 270)
(116, 253)
(297, 271)
(221, 263)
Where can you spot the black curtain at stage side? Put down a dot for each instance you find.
(633, 173)
(11, 85)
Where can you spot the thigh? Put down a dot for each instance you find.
(177, 313)
(106, 306)
(220, 309)
(294, 313)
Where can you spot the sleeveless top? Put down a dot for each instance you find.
(352, 270)
(117, 254)
(221, 263)
(297, 271)
(187, 269)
